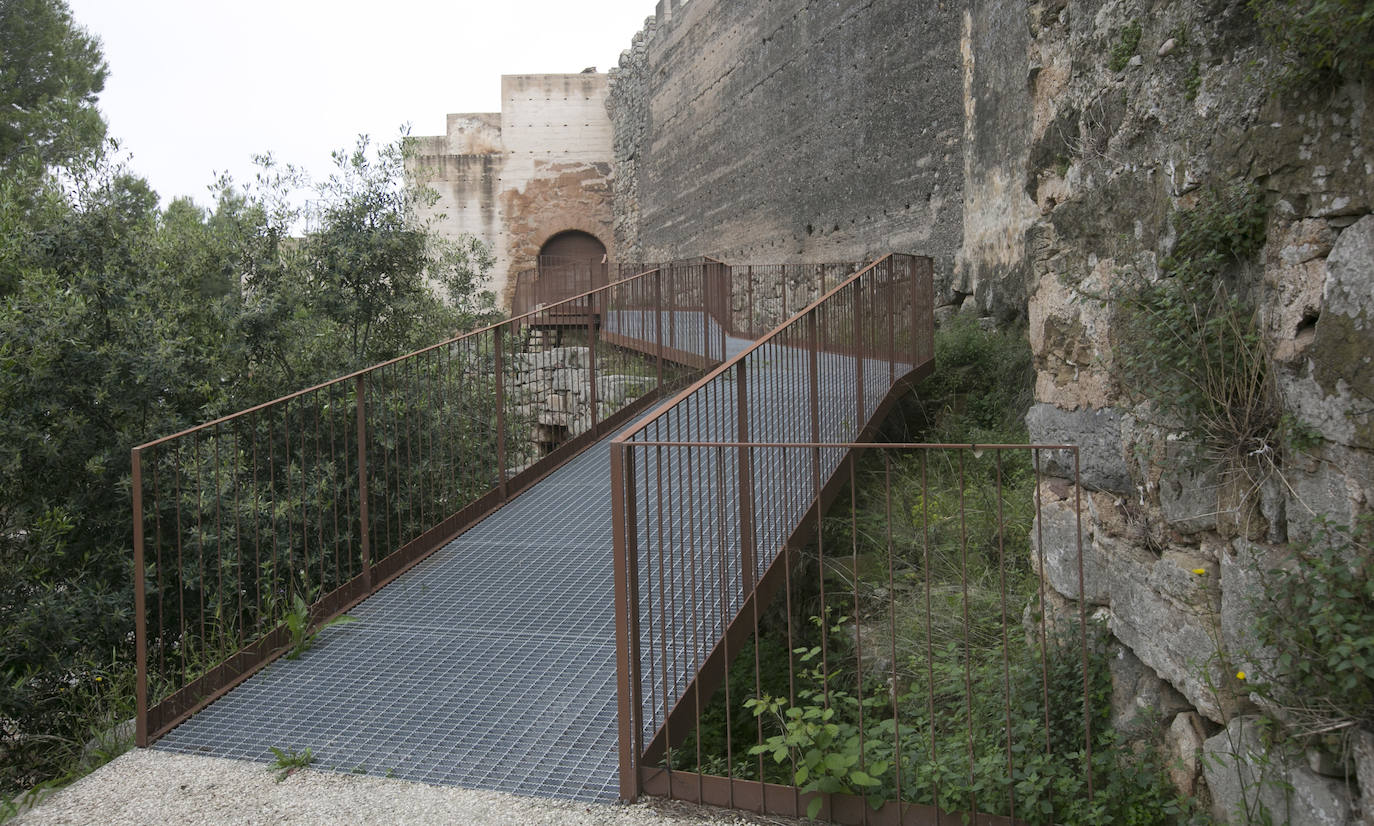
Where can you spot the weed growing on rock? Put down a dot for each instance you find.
(1324, 41)
(1193, 83)
(1316, 616)
(1190, 342)
(1125, 47)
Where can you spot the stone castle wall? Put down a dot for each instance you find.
(797, 130)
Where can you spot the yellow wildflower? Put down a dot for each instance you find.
(1240, 675)
(1200, 571)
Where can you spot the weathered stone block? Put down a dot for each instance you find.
(1188, 491)
(566, 356)
(1141, 701)
(1243, 572)
(1362, 751)
(1055, 540)
(1294, 275)
(1167, 615)
(1183, 747)
(619, 390)
(554, 418)
(1331, 389)
(1247, 775)
(1334, 482)
(572, 379)
(1097, 432)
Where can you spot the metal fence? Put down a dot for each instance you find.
(748, 300)
(556, 279)
(730, 505)
(326, 494)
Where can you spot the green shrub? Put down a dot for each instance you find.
(955, 747)
(1317, 617)
(980, 391)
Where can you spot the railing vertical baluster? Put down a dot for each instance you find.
(500, 379)
(890, 311)
(860, 356)
(591, 366)
(364, 486)
(1083, 623)
(625, 539)
(813, 369)
(749, 320)
(658, 323)
(746, 488)
(140, 607)
(673, 287)
(724, 289)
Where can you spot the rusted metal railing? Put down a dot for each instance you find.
(328, 493)
(751, 299)
(555, 279)
(761, 542)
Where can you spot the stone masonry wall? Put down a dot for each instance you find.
(1074, 172)
(787, 131)
(550, 393)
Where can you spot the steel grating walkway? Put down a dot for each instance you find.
(490, 665)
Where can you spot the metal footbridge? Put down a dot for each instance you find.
(525, 623)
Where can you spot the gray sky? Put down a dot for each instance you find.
(199, 86)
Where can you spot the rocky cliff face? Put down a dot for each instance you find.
(1091, 127)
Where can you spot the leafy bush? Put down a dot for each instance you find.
(121, 321)
(954, 750)
(1317, 617)
(936, 716)
(980, 391)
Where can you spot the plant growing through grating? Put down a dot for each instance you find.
(288, 763)
(298, 624)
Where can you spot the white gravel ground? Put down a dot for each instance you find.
(152, 787)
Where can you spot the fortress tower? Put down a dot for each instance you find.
(531, 179)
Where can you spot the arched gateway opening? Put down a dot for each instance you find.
(572, 245)
(570, 263)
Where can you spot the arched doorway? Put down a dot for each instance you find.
(572, 245)
(570, 263)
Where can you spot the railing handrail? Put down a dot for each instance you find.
(849, 445)
(378, 366)
(729, 364)
(268, 513)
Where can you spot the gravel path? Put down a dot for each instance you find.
(151, 787)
